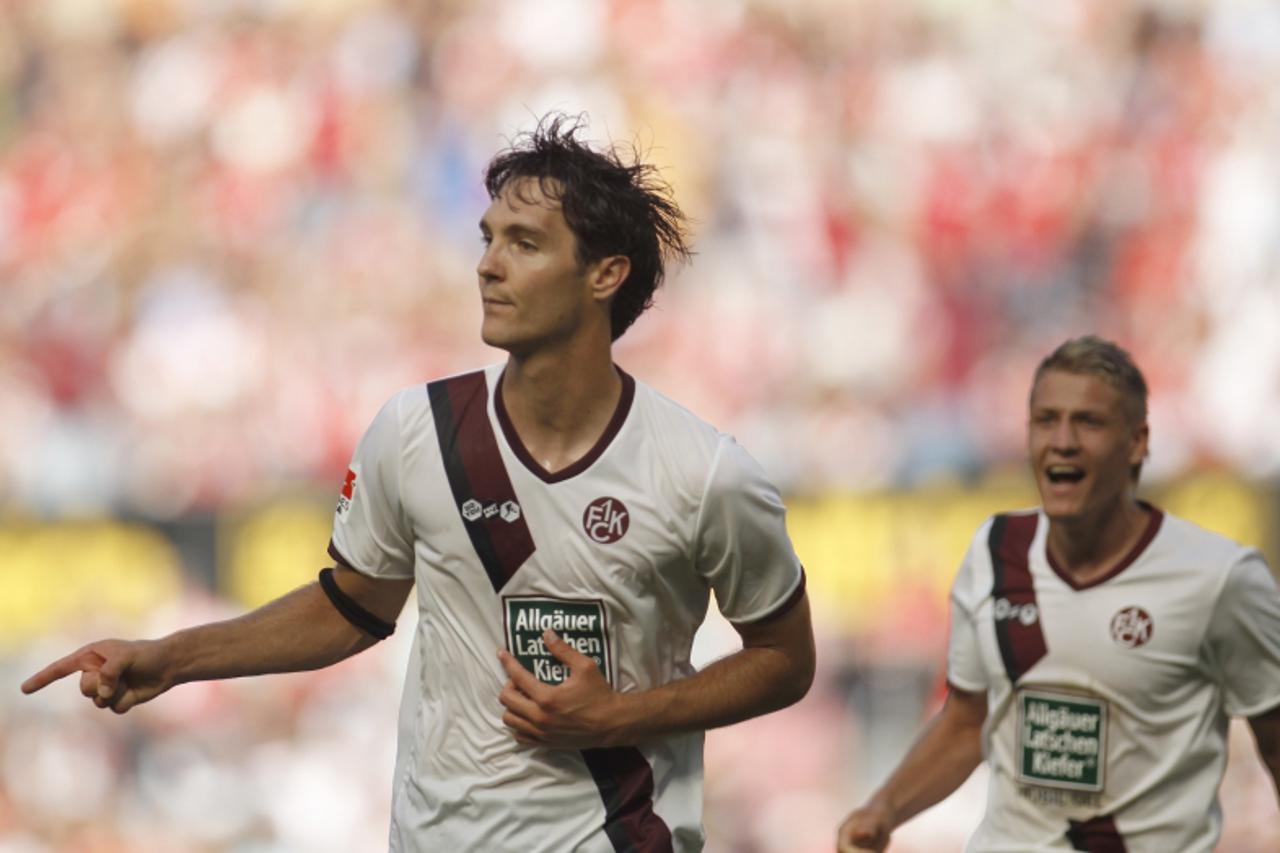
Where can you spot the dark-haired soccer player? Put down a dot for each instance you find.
(564, 525)
(1098, 647)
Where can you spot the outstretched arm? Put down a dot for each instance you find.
(298, 631)
(773, 669)
(941, 759)
(1266, 733)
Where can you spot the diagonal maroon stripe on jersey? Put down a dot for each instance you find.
(1018, 629)
(1096, 835)
(625, 781)
(474, 467)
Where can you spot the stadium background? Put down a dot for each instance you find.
(230, 229)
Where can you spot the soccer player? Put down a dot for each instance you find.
(1098, 647)
(564, 526)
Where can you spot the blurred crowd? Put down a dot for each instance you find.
(230, 229)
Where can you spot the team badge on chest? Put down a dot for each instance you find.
(1132, 627)
(606, 520)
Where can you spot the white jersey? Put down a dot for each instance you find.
(618, 554)
(1109, 702)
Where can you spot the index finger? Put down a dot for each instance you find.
(78, 661)
(525, 681)
(564, 651)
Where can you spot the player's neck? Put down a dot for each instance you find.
(1091, 546)
(560, 403)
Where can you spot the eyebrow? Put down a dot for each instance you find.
(1069, 412)
(514, 230)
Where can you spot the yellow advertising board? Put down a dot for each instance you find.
(864, 554)
(65, 575)
(861, 552)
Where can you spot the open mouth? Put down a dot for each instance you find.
(1064, 474)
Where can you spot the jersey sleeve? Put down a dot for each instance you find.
(370, 531)
(742, 549)
(964, 654)
(1243, 639)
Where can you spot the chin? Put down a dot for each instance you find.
(1058, 509)
(494, 336)
(1062, 514)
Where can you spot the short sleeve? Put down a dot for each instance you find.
(370, 531)
(742, 549)
(1243, 638)
(964, 654)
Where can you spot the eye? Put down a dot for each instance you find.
(527, 246)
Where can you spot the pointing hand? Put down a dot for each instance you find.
(115, 674)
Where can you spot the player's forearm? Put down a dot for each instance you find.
(1272, 763)
(939, 762)
(746, 684)
(299, 631)
(1266, 734)
(1271, 760)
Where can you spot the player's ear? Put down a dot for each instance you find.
(1141, 435)
(608, 274)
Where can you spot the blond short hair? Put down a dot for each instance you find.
(1095, 356)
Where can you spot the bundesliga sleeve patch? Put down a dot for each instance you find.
(1062, 741)
(348, 493)
(582, 623)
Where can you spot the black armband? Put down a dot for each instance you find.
(377, 628)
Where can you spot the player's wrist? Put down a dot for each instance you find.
(629, 718)
(617, 720)
(178, 659)
(882, 806)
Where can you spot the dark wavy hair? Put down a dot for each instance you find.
(613, 206)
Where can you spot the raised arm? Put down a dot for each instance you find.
(939, 761)
(298, 631)
(773, 669)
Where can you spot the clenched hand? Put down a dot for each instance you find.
(867, 828)
(581, 712)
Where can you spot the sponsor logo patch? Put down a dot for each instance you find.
(1132, 627)
(582, 623)
(1005, 610)
(474, 510)
(1062, 741)
(348, 493)
(606, 520)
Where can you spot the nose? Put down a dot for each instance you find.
(1063, 438)
(489, 269)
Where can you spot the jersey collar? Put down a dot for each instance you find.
(1156, 516)
(589, 458)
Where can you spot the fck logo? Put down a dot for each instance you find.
(606, 520)
(1132, 627)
